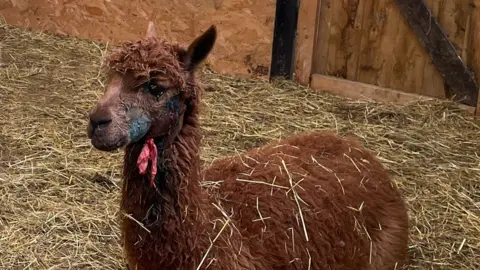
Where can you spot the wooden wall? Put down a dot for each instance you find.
(369, 41)
(473, 57)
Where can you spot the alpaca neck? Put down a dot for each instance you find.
(175, 207)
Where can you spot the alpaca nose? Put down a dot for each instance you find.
(98, 119)
(100, 122)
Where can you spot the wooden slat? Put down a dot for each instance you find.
(373, 25)
(363, 91)
(305, 40)
(474, 42)
(387, 45)
(355, 35)
(284, 36)
(334, 36)
(433, 83)
(457, 76)
(452, 17)
(322, 37)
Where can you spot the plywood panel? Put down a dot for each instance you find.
(245, 26)
(369, 41)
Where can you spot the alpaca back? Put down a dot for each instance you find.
(313, 201)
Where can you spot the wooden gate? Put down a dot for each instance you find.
(390, 50)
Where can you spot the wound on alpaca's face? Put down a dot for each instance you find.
(173, 105)
(148, 89)
(138, 124)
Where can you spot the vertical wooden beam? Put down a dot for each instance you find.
(458, 77)
(474, 52)
(284, 36)
(306, 28)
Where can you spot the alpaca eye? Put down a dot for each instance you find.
(154, 88)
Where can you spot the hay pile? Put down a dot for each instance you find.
(59, 197)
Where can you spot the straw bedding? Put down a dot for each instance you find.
(59, 197)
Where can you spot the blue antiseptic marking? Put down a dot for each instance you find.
(173, 105)
(138, 127)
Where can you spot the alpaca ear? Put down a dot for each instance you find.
(151, 32)
(199, 49)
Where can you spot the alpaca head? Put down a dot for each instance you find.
(150, 83)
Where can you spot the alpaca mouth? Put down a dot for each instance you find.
(107, 146)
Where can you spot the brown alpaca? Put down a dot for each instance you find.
(311, 201)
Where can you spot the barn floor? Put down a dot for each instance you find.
(59, 197)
